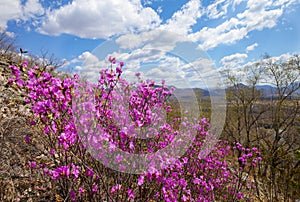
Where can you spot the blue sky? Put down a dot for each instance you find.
(184, 41)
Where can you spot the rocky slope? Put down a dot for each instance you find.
(15, 178)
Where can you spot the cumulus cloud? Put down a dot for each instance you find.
(32, 9)
(239, 70)
(157, 39)
(202, 72)
(102, 19)
(285, 3)
(154, 64)
(251, 47)
(135, 23)
(87, 58)
(144, 55)
(88, 65)
(149, 41)
(165, 36)
(159, 74)
(259, 14)
(237, 2)
(217, 9)
(233, 59)
(99, 19)
(9, 10)
(183, 19)
(9, 34)
(15, 10)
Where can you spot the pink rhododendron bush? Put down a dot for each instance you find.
(112, 141)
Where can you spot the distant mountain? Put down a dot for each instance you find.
(190, 92)
(269, 91)
(296, 85)
(266, 89)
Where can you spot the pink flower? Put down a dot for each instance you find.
(73, 195)
(184, 198)
(60, 172)
(239, 195)
(118, 158)
(75, 171)
(46, 171)
(130, 194)
(141, 180)
(27, 139)
(52, 151)
(95, 188)
(115, 188)
(196, 181)
(118, 70)
(112, 60)
(89, 172)
(32, 164)
(81, 190)
(25, 64)
(254, 149)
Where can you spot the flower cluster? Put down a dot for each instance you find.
(16, 74)
(65, 171)
(82, 121)
(252, 156)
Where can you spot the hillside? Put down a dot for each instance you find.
(15, 180)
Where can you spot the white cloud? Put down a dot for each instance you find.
(88, 65)
(151, 47)
(282, 57)
(182, 20)
(227, 33)
(86, 57)
(145, 55)
(147, 2)
(233, 59)
(151, 41)
(166, 35)
(107, 18)
(217, 9)
(100, 19)
(159, 74)
(9, 34)
(239, 70)
(201, 72)
(33, 8)
(251, 47)
(285, 3)
(14, 10)
(237, 2)
(156, 39)
(159, 10)
(259, 14)
(155, 65)
(9, 10)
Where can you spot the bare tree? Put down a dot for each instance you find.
(268, 121)
(7, 45)
(283, 115)
(243, 99)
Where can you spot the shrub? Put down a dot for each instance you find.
(90, 134)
